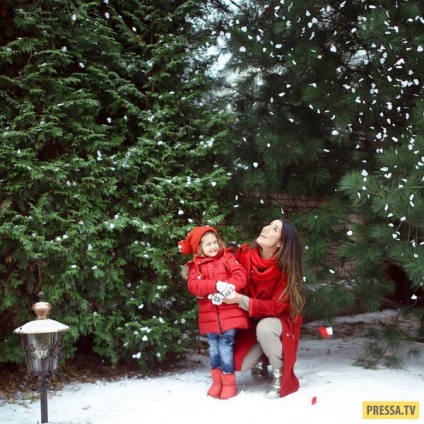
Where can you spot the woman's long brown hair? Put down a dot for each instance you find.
(289, 258)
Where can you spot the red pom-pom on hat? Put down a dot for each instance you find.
(191, 243)
(184, 247)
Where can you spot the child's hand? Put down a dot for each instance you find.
(226, 289)
(216, 298)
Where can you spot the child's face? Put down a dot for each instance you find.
(209, 245)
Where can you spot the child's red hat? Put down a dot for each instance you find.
(191, 243)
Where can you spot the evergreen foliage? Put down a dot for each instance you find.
(109, 155)
(389, 344)
(329, 102)
(114, 144)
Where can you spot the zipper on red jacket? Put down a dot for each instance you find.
(219, 319)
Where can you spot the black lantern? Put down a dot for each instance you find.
(42, 341)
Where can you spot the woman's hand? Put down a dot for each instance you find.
(235, 299)
(184, 272)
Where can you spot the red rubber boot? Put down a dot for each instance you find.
(229, 388)
(215, 389)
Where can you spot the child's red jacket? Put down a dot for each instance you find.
(203, 274)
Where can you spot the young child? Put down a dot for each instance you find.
(213, 274)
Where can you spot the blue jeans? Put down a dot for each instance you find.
(221, 350)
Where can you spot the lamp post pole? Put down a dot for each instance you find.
(42, 342)
(43, 398)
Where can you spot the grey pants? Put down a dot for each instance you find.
(268, 334)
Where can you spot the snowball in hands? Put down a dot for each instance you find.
(226, 289)
(216, 298)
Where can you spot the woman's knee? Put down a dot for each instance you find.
(268, 328)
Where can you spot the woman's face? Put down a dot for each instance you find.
(270, 237)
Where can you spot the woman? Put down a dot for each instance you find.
(274, 299)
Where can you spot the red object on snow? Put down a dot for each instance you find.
(325, 332)
(314, 400)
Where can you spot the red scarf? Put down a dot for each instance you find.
(261, 272)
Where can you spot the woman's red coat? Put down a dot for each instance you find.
(263, 293)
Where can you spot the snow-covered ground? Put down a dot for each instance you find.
(332, 390)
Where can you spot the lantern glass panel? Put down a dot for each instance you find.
(42, 352)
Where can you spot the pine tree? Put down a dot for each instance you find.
(328, 98)
(108, 157)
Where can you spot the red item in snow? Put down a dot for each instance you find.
(314, 400)
(325, 332)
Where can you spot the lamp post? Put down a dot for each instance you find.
(42, 342)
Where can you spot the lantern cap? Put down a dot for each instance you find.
(42, 324)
